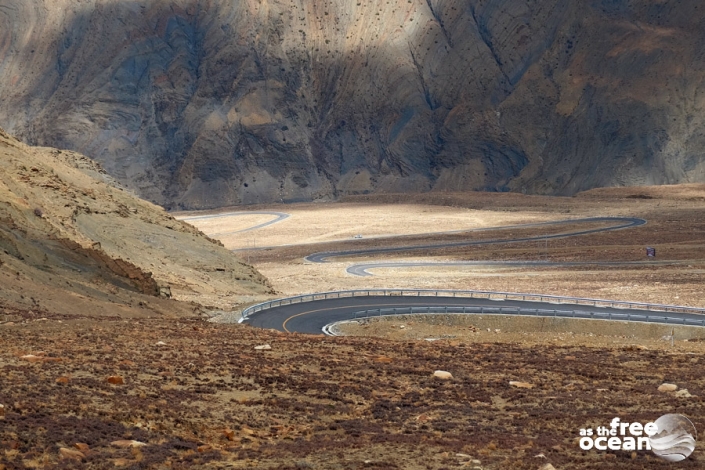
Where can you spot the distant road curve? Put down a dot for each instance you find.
(361, 269)
(278, 217)
(620, 223)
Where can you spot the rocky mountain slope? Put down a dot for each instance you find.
(203, 103)
(74, 242)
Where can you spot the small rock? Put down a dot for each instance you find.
(31, 358)
(464, 456)
(116, 380)
(540, 456)
(71, 454)
(667, 388)
(82, 447)
(683, 393)
(204, 448)
(547, 466)
(442, 374)
(63, 380)
(127, 443)
(497, 330)
(516, 384)
(2, 411)
(402, 326)
(39, 357)
(161, 343)
(263, 347)
(229, 434)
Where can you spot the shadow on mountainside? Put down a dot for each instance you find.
(198, 106)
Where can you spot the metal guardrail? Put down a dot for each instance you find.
(468, 294)
(531, 312)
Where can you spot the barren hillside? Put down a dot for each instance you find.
(207, 103)
(74, 242)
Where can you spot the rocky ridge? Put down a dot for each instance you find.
(74, 242)
(199, 104)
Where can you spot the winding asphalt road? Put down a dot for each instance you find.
(361, 269)
(619, 223)
(311, 317)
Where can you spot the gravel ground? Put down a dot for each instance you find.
(186, 393)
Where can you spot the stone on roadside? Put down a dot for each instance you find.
(667, 388)
(71, 454)
(263, 347)
(516, 384)
(442, 374)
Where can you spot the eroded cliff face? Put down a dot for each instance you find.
(214, 102)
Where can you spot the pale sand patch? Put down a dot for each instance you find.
(528, 330)
(635, 285)
(316, 223)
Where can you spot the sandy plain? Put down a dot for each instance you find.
(676, 228)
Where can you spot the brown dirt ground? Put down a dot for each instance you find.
(320, 403)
